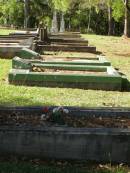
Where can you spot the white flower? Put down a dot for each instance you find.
(43, 116)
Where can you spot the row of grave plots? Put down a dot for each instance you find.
(65, 133)
(78, 66)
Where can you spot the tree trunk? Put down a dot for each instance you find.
(89, 19)
(69, 24)
(110, 22)
(127, 19)
(54, 28)
(26, 14)
(62, 23)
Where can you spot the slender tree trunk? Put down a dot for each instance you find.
(62, 23)
(54, 28)
(26, 14)
(110, 22)
(89, 19)
(127, 19)
(70, 24)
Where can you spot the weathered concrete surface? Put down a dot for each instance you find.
(102, 145)
(85, 81)
(65, 48)
(74, 111)
(9, 50)
(70, 44)
(22, 62)
(26, 36)
(68, 35)
(27, 54)
(10, 41)
(34, 32)
(91, 144)
(68, 40)
(22, 34)
(86, 86)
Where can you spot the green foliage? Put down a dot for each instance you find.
(59, 5)
(11, 12)
(89, 3)
(118, 9)
(39, 12)
(79, 14)
(46, 20)
(75, 22)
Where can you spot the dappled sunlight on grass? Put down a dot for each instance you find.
(15, 95)
(6, 31)
(117, 50)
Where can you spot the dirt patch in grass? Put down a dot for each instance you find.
(127, 55)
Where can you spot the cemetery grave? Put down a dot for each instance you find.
(11, 48)
(67, 35)
(108, 79)
(84, 73)
(59, 71)
(71, 72)
(66, 133)
(71, 48)
(51, 59)
(67, 42)
(29, 33)
(11, 44)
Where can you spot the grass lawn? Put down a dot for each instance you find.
(24, 167)
(6, 31)
(118, 52)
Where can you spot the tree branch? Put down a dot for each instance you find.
(126, 5)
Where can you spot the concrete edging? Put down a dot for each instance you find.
(58, 142)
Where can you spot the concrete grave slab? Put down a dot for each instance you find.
(10, 49)
(110, 80)
(17, 62)
(66, 143)
(67, 48)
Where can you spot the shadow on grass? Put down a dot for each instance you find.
(7, 167)
(19, 101)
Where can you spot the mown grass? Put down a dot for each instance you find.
(6, 31)
(6, 167)
(117, 50)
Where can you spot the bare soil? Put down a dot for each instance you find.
(69, 121)
(57, 71)
(48, 54)
(69, 59)
(98, 122)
